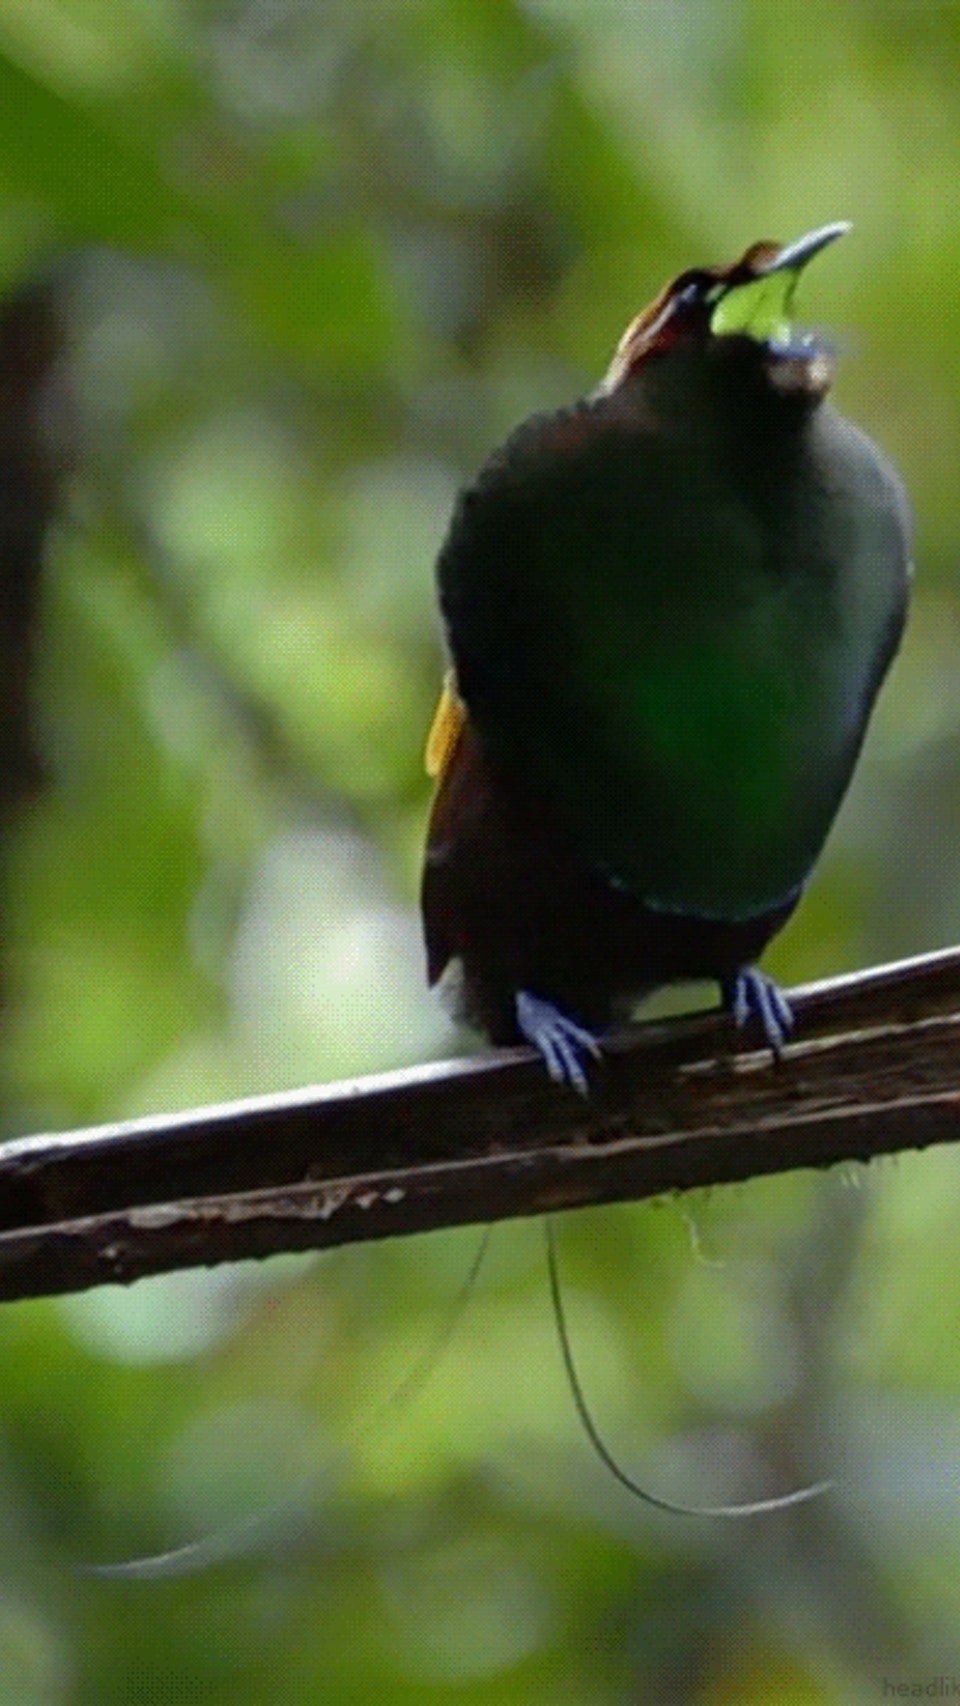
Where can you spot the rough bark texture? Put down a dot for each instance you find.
(874, 1070)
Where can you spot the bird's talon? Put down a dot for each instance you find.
(750, 994)
(560, 1041)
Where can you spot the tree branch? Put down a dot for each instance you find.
(676, 1105)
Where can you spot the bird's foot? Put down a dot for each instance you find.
(750, 994)
(563, 1045)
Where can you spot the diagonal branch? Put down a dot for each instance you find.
(676, 1105)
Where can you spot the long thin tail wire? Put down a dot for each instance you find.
(258, 1530)
(756, 1507)
(252, 1532)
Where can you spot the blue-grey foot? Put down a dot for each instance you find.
(750, 994)
(562, 1044)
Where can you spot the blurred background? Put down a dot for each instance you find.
(278, 273)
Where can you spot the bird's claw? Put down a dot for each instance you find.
(750, 994)
(561, 1043)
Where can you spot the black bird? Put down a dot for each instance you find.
(669, 609)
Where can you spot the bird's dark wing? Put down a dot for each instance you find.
(474, 882)
(519, 554)
(450, 757)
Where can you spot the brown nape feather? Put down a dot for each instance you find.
(655, 328)
(505, 893)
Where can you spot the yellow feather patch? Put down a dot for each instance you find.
(445, 729)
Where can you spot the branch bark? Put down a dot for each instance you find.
(676, 1105)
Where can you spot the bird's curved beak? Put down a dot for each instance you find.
(793, 256)
(759, 307)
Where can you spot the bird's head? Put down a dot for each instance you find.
(741, 312)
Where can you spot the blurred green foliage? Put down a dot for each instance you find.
(315, 259)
